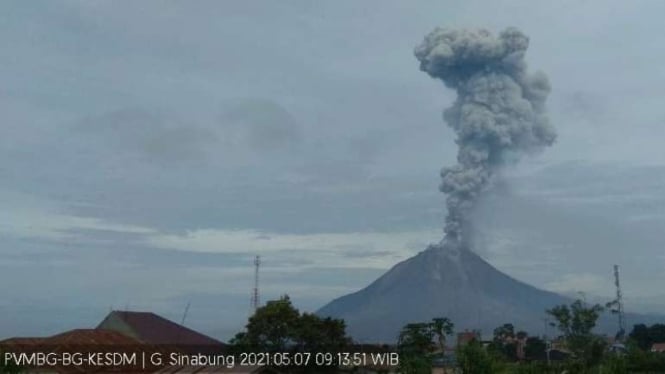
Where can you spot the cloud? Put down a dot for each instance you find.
(335, 133)
(46, 223)
(585, 282)
(159, 138)
(262, 124)
(375, 249)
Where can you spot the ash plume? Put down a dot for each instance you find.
(499, 113)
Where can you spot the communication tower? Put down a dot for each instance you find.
(255, 291)
(618, 305)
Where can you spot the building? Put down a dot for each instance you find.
(151, 328)
(127, 332)
(658, 347)
(81, 341)
(468, 336)
(76, 337)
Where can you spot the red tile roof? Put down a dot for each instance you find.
(21, 341)
(153, 329)
(85, 337)
(90, 337)
(82, 341)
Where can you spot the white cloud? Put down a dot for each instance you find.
(25, 216)
(356, 249)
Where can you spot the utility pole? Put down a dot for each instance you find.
(255, 291)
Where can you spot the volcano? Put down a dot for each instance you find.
(442, 281)
(446, 281)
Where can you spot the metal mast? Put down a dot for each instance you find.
(255, 292)
(618, 303)
(184, 315)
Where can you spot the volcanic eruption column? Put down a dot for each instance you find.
(498, 115)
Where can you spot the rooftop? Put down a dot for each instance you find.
(153, 329)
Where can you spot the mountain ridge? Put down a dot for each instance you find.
(447, 281)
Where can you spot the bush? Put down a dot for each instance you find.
(473, 359)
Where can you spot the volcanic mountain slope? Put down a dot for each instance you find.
(444, 281)
(441, 282)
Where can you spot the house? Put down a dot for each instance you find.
(79, 341)
(124, 332)
(76, 337)
(467, 336)
(103, 341)
(151, 328)
(658, 348)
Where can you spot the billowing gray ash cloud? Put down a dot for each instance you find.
(498, 115)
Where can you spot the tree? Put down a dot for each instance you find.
(576, 322)
(272, 327)
(8, 367)
(414, 345)
(416, 337)
(315, 334)
(641, 361)
(535, 348)
(504, 332)
(473, 359)
(640, 335)
(503, 344)
(279, 327)
(645, 336)
(442, 327)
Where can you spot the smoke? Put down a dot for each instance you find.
(499, 113)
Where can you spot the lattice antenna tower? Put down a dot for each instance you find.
(255, 291)
(618, 304)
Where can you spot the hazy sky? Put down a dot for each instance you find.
(150, 149)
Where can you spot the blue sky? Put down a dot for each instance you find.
(150, 150)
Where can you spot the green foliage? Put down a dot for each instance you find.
(506, 351)
(577, 319)
(645, 336)
(315, 334)
(614, 364)
(415, 344)
(414, 364)
(272, 327)
(8, 367)
(279, 327)
(504, 344)
(535, 348)
(531, 368)
(473, 359)
(576, 323)
(640, 361)
(416, 338)
(441, 328)
(503, 332)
